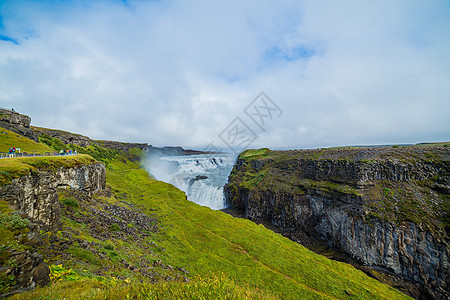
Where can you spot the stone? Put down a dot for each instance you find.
(34, 239)
(41, 274)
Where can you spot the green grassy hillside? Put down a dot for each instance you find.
(9, 139)
(225, 257)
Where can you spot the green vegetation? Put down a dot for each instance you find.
(99, 153)
(114, 227)
(226, 257)
(252, 153)
(12, 222)
(206, 241)
(444, 144)
(256, 263)
(12, 227)
(70, 202)
(54, 143)
(59, 273)
(10, 139)
(211, 287)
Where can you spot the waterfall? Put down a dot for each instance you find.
(201, 177)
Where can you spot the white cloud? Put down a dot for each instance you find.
(177, 73)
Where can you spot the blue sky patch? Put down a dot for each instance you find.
(8, 39)
(300, 52)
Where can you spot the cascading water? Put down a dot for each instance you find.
(201, 177)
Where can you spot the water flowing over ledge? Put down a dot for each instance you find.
(202, 177)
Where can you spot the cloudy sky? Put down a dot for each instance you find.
(181, 72)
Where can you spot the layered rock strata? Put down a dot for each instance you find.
(387, 208)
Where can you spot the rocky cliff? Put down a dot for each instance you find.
(69, 138)
(36, 193)
(31, 187)
(17, 123)
(386, 207)
(65, 136)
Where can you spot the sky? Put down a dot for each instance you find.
(230, 74)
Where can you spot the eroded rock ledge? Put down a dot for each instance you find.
(36, 194)
(387, 208)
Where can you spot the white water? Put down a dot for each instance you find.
(201, 177)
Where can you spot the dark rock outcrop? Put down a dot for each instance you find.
(65, 136)
(36, 194)
(122, 146)
(28, 270)
(17, 123)
(387, 208)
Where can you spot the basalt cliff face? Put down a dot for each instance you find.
(36, 194)
(386, 207)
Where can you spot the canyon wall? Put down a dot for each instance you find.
(386, 207)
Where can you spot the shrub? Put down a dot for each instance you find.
(84, 255)
(59, 273)
(114, 227)
(6, 282)
(70, 202)
(12, 222)
(108, 246)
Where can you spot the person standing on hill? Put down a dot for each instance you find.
(10, 151)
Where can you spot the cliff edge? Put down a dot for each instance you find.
(386, 207)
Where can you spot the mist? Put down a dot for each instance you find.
(200, 176)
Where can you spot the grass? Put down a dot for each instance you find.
(255, 153)
(216, 286)
(11, 227)
(206, 241)
(100, 153)
(10, 139)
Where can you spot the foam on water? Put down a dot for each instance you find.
(201, 177)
